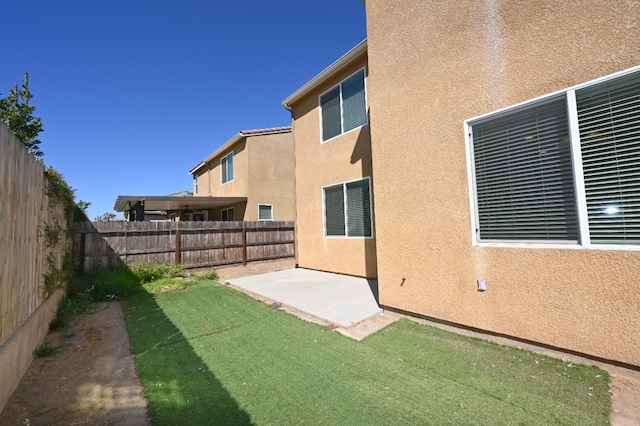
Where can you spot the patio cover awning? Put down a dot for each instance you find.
(168, 202)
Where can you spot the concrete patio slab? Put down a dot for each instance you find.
(340, 299)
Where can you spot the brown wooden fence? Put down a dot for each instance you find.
(27, 256)
(103, 245)
(25, 210)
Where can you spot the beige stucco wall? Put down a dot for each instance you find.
(211, 174)
(434, 64)
(262, 171)
(344, 158)
(272, 180)
(238, 212)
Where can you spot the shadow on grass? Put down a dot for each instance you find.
(172, 373)
(179, 387)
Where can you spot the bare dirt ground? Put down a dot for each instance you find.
(91, 377)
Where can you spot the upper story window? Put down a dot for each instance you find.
(344, 107)
(347, 209)
(565, 168)
(226, 164)
(196, 181)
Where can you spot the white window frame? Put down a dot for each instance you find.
(196, 183)
(584, 240)
(366, 106)
(224, 165)
(265, 205)
(226, 210)
(346, 217)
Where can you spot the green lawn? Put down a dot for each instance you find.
(211, 355)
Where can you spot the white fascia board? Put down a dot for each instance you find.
(332, 69)
(228, 144)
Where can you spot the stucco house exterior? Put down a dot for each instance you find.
(334, 184)
(505, 151)
(257, 168)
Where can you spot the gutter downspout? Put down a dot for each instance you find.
(295, 198)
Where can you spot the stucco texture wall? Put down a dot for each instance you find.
(271, 175)
(211, 179)
(344, 158)
(432, 65)
(262, 172)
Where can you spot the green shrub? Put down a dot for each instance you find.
(152, 271)
(211, 274)
(106, 285)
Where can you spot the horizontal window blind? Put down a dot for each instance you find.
(334, 210)
(353, 102)
(358, 209)
(265, 212)
(524, 181)
(331, 121)
(609, 121)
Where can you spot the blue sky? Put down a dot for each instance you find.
(134, 93)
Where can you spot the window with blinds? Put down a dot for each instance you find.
(609, 119)
(524, 183)
(347, 209)
(358, 209)
(526, 165)
(344, 107)
(265, 212)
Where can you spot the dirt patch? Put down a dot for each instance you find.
(91, 377)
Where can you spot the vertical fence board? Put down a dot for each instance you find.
(201, 244)
(25, 210)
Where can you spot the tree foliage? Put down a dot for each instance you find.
(17, 113)
(105, 217)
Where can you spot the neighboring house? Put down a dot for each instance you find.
(505, 143)
(256, 165)
(334, 215)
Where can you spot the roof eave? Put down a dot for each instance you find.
(228, 144)
(331, 70)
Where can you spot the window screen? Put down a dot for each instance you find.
(348, 209)
(609, 118)
(358, 209)
(227, 168)
(353, 101)
(265, 212)
(524, 180)
(331, 119)
(344, 107)
(334, 210)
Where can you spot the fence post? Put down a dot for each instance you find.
(244, 245)
(178, 247)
